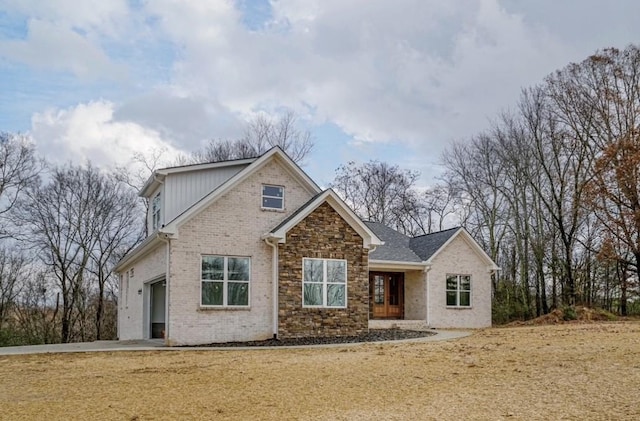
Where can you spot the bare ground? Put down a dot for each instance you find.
(567, 371)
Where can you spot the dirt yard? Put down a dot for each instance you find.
(570, 371)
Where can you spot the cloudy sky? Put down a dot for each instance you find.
(371, 79)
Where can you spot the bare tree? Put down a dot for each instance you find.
(384, 193)
(19, 170)
(13, 273)
(260, 135)
(116, 233)
(77, 222)
(37, 311)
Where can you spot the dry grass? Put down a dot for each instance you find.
(571, 371)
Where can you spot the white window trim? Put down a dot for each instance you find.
(262, 196)
(458, 290)
(325, 289)
(155, 223)
(225, 281)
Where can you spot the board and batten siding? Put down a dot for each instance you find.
(182, 190)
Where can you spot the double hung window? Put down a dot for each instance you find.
(459, 290)
(225, 281)
(272, 197)
(324, 283)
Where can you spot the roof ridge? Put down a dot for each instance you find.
(438, 232)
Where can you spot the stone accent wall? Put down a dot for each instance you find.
(325, 235)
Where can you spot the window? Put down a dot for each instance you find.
(272, 197)
(155, 212)
(324, 283)
(225, 281)
(459, 290)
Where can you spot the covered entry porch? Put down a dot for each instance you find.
(397, 294)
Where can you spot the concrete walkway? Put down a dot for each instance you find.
(158, 345)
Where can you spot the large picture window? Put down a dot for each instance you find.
(272, 197)
(459, 290)
(324, 283)
(225, 281)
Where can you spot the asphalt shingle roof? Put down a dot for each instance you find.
(402, 248)
(396, 245)
(426, 245)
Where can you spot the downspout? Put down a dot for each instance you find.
(165, 238)
(427, 268)
(274, 281)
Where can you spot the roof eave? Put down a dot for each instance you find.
(147, 245)
(329, 196)
(397, 265)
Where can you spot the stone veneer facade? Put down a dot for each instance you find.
(322, 234)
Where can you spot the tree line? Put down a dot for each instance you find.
(551, 190)
(63, 229)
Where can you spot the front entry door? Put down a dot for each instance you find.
(387, 294)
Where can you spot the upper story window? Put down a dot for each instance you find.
(324, 283)
(459, 290)
(272, 197)
(155, 212)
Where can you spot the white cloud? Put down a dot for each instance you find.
(88, 132)
(55, 47)
(412, 73)
(424, 72)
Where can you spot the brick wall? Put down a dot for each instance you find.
(415, 295)
(322, 234)
(132, 320)
(460, 259)
(232, 226)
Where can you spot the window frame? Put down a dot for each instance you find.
(225, 282)
(263, 196)
(156, 209)
(325, 283)
(458, 290)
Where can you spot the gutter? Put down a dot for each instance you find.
(428, 294)
(167, 240)
(274, 282)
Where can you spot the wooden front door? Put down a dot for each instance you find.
(386, 292)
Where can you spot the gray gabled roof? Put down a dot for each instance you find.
(427, 245)
(396, 245)
(297, 212)
(369, 238)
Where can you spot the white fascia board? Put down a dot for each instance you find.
(207, 166)
(390, 265)
(329, 196)
(141, 250)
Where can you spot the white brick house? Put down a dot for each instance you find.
(253, 249)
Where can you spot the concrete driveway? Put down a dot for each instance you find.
(158, 345)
